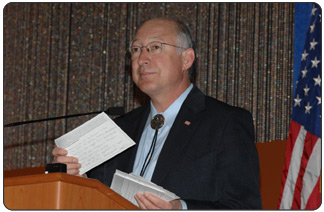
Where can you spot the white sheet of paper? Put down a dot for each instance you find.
(127, 185)
(95, 141)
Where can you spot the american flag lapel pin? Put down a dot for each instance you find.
(187, 123)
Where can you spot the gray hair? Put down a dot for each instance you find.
(185, 39)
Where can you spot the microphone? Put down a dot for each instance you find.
(113, 111)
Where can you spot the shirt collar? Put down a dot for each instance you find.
(171, 112)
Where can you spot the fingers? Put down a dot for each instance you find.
(142, 201)
(65, 159)
(73, 168)
(149, 201)
(72, 165)
(59, 152)
(60, 156)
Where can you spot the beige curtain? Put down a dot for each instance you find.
(69, 58)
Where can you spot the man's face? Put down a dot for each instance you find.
(162, 73)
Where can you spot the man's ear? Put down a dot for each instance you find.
(188, 57)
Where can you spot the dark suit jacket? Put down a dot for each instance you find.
(211, 163)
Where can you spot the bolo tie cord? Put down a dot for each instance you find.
(149, 154)
(156, 123)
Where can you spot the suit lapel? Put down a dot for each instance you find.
(184, 125)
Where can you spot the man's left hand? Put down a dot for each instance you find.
(149, 201)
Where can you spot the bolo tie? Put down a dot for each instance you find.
(156, 123)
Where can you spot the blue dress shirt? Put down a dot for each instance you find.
(148, 134)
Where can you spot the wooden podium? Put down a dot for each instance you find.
(60, 191)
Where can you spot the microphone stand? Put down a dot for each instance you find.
(110, 111)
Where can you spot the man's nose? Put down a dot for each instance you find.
(144, 57)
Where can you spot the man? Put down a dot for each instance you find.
(204, 152)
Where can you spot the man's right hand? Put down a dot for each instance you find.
(72, 165)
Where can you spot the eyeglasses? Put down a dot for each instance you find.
(153, 48)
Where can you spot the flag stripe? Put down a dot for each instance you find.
(315, 199)
(293, 133)
(312, 173)
(309, 142)
(288, 191)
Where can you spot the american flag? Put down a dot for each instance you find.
(301, 175)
